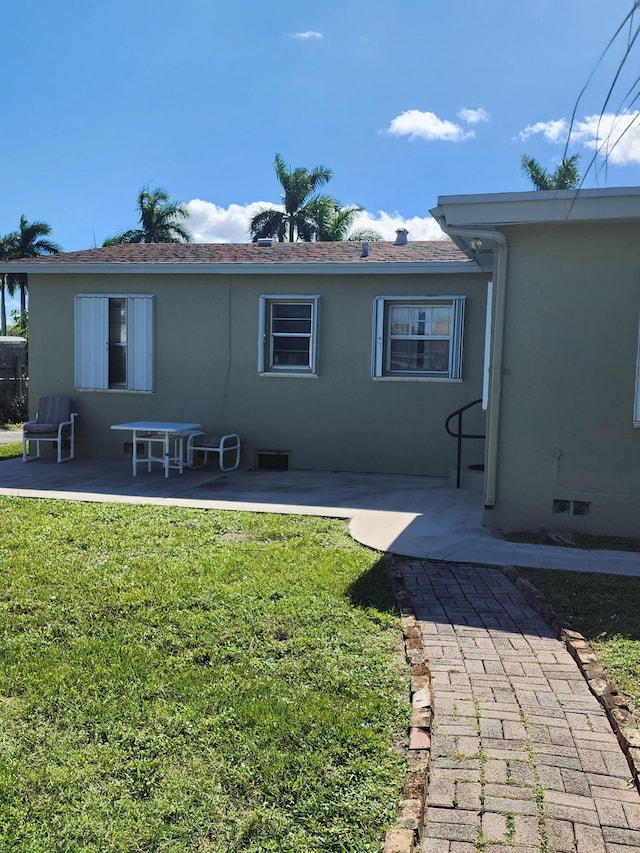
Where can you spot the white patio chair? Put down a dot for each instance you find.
(201, 442)
(54, 422)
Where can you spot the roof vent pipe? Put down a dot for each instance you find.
(401, 237)
(365, 250)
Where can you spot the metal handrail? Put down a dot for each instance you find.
(459, 435)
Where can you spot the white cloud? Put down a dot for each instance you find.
(553, 131)
(210, 223)
(473, 116)
(419, 227)
(308, 34)
(427, 125)
(616, 137)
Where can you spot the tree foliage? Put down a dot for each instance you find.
(307, 214)
(335, 223)
(300, 200)
(565, 177)
(161, 220)
(29, 241)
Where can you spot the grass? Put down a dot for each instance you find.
(182, 680)
(604, 608)
(10, 451)
(576, 540)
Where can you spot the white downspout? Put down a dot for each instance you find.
(496, 369)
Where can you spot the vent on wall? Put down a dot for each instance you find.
(272, 460)
(573, 508)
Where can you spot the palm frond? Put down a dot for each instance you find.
(567, 176)
(298, 185)
(364, 235)
(537, 174)
(134, 235)
(267, 222)
(159, 219)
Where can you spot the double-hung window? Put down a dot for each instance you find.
(418, 337)
(288, 335)
(114, 342)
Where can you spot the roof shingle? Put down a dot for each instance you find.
(425, 251)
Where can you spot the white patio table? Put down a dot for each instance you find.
(154, 432)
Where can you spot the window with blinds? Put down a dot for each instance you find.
(288, 335)
(418, 337)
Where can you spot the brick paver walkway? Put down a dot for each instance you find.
(522, 755)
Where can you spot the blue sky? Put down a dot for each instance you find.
(404, 101)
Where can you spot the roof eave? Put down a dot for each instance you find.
(502, 209)
(364, 268)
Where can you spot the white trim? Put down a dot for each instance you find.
(403, 378)
(280, 373)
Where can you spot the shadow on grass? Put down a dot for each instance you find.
(596, 605)
(373, 589)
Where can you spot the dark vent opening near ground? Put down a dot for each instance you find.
(272, 460)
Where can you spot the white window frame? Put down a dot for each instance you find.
(92, 342)
(380, 336)
(266, 367)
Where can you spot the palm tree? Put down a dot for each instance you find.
(4, 256)
(565, 177)
(298, 219)
(159, 221)
(28, 242)
(335, 223)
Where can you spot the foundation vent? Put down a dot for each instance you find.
(273, 460)
(572, 508)
(127, 448)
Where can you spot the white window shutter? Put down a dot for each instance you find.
(457, 339)
(140, 343)
(262, 333)
(91, 342)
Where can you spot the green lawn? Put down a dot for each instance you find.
(181, 680)
(9, 451)
(605, 609)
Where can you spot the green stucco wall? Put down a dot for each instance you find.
(570, 348)
(206, 343)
